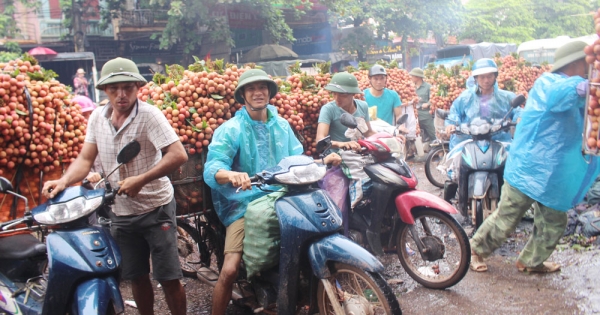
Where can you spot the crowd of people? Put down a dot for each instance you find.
(545, 167)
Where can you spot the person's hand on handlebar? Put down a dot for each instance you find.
(402, 129)
(93, 177)
(52, 188)
(333, 159)
(450, 129)
(350, 145)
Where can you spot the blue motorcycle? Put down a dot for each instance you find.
(319, 269)
(77, 271)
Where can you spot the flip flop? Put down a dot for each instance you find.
(477, 263)
(546, 267)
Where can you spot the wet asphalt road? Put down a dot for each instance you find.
(501, 290)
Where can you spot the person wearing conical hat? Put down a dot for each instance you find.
(545, 166)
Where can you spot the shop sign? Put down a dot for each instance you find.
(313, 40)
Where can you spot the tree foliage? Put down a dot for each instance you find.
(8, 27)
(516, 21)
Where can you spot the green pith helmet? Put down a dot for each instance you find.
(343, 82)
(119, 70)
(254, 75)
(567, 53)
(417, 72)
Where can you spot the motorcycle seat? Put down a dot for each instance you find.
(21, 247)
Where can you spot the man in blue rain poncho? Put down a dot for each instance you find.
(545, 166)
(483, 100)
(255, 139)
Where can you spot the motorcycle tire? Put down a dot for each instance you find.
(358, 286)
(436, 156)
(447, 252)
(201, 248)
(478, 208)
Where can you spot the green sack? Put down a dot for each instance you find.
(262, 236)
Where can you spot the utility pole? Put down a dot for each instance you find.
(78, 31)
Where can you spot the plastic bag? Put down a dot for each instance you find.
(262, 235)
(335, 183)
(590, 223)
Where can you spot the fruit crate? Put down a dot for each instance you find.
(187, 181)
(591, 137)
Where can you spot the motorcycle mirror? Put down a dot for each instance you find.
(128, 152)
(323, 144)
(402, 119)
(348, 120)
(517, 101)
(5, 185)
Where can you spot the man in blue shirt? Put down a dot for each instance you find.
(545, 166)
(388, 102)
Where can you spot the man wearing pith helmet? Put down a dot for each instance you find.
(143, 214)
(252, 141)
(343, 86)
(545, 166)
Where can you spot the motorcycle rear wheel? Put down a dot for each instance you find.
(448, 254)
(358, 286)
(198, 250)
(435, 157)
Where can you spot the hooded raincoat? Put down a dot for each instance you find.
(545, 160)
(245, 145)
(469, 106)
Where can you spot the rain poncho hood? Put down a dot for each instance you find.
(545, 161)
(245, 145)
(467, 107)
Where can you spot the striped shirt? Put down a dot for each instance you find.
(150, 128)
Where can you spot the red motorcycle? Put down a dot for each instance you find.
(432, 246)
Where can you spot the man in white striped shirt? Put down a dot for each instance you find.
(143, 214)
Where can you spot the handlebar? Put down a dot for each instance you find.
(254, 181)
(7, 225)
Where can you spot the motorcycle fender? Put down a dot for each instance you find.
(481, 182)
(94, 297)
(339, 248)
(406, 201)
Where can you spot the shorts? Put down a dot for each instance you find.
(234, 237)
(149, 235)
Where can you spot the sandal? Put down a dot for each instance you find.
(477, 264)
(546, 267)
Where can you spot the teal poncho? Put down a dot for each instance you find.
(245, 145)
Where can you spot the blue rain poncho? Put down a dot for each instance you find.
(467, 107)
(245, 145)
(545, 160)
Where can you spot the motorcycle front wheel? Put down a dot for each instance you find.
(436, 157)
(358, 292)
(446, 252)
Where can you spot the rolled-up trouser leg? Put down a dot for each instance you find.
(497, 227)
(549, 226)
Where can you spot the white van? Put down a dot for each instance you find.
(542, 50)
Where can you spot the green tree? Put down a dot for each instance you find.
(193, 22)
(409, 18)
(573, 18)
(8, 27)
(499, 21)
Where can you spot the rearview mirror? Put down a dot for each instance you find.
(128, 152)
(323, 144)
(401, 120)
(5, 185)
(348, 120)
(517, 101)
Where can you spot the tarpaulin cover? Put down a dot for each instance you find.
(489, 50)
(545, 160)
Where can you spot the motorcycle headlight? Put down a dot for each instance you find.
(302, 174)
(68, 211)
